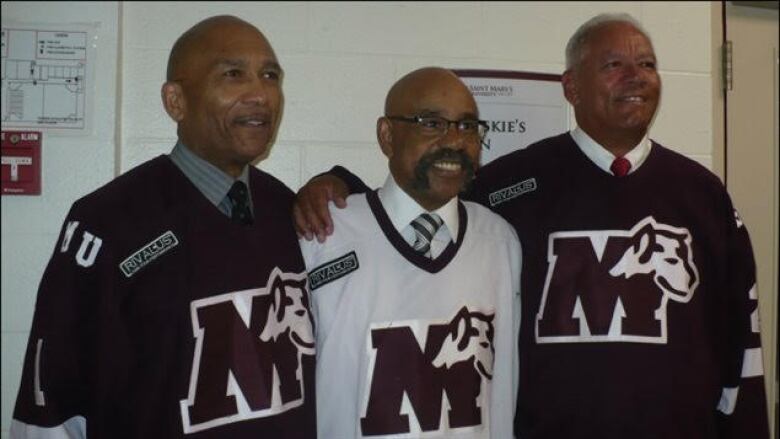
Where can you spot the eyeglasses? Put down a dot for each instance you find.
(435, 126)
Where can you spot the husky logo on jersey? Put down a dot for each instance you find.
(470, 338)
(288, 316)
(429, 377)
(614, 285)
(248, 350)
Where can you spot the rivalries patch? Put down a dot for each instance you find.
(148, 253)
(513, 191)
(335, 269)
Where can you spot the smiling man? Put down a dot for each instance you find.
(432, 173)
(175, 304)
(640, 310)
(613, 84)
(415, 294)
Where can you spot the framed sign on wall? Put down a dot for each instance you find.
(520, 107)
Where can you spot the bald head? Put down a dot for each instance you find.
(431, 156)
(224, 92)
(190, 41)
(406, 95)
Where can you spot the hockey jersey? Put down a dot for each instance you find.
(409, 346)
(158, 317)
(639, 309)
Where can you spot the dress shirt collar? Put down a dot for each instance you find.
(403, 209)
(210, 180)
(602, 158)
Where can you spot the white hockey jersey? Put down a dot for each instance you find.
(409, 346)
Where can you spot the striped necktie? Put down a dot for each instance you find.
(425, 226)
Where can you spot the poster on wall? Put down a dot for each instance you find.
(520, 108)
(47, 77)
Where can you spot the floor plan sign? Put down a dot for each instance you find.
(44, 78)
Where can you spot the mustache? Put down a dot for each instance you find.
(449, 154)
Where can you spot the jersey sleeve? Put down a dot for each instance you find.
(487, 180)
(54, 396)
(309, 251)
(516, 264)
(476, 190)
(742, 408)
(355, 184)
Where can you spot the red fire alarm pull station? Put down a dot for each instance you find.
(21, 160)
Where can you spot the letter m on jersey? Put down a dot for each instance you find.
(429, 378)
(614, 285)
(248, 348)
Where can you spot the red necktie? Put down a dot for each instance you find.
(620, 166)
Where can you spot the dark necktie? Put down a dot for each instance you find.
(620, 167)
(239, 196)
(425, 226)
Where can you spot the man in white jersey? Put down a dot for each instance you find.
(415, 294)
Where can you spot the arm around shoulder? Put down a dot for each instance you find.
(311, 211)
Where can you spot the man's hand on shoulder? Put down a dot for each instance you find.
(311, 211)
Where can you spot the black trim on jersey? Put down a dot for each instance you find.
(406, 250)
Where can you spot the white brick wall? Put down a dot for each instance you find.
(339, 60)
(72, 167)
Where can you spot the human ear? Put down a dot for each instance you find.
(570, 87)
(384, 134)
(173, 100)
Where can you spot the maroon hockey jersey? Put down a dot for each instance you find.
(638, 295)
(158, 317)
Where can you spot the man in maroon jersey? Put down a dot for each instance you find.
(639, 300)
(175, 303)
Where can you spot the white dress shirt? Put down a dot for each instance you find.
(603, 158)
(403, 209)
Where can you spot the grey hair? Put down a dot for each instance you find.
(576, 44)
